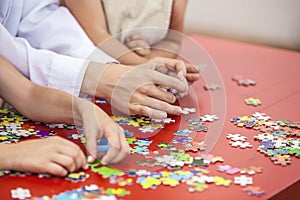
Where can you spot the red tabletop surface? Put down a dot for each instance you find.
(276, 72)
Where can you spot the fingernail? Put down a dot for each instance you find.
(90, 159)
(103, 162)
(162, 114)
(179, 111)
(181, 77)
(85, 167)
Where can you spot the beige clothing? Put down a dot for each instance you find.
(151, 18)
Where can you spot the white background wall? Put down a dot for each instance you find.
(269, 22)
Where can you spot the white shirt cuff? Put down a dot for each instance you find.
(67, 74)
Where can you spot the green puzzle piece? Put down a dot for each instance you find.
(199, 187)
(118, 191)
(107, 171)
(295, 151)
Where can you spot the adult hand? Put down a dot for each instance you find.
(136, 90)
(193, 74)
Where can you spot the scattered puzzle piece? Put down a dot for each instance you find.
(75, 177)
(195, 146)
(240, 144)
(243, 180)
(20, 193)
(241, 81)
(186, 111)
(107, 171)
(220, 181)
(212, 87)
(209, 118)
(254, 190)
(252, 101)
(236, 137)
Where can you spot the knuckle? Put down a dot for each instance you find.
(143, 110)
(69, 164)
(145, 88)
(59, 172)
(170, 98)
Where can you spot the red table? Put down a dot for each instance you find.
(276, 72)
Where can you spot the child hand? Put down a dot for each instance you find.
(138, 44)
(53, 155)
(99, 125)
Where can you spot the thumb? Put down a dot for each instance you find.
(91, 145)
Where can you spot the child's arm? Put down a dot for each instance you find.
(50, 105)
(90, 16)
(170, 46)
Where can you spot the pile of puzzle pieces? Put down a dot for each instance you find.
(177, 165)
(92, 191)
(278, 139)
(12, 128)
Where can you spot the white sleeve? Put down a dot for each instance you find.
(47, 25)
(43, 67)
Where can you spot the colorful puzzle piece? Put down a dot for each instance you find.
(252, 101)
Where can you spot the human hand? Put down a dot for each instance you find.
(99, 125)
(193, 73)
(53, 155)
(137, 43)
(135, 90)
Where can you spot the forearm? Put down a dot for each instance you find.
(36, 102)
(90, 15)
(7, 159)
(49, 105)
(165, 48)
(116, 49)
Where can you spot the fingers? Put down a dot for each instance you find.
(74, 157)
(167, 81)
(55, 169)
(118, 147)
(136, 109)
(177, 65)
(135, 36)
(192, 77)
(159, 93)
(137, 44)
(66, 162)
(191, 68)
(91, 143)
(142, 51)
(141, 47)
(192, 73)
(152, 107)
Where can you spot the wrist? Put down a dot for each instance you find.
(92, 78)
(8, 160)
